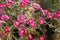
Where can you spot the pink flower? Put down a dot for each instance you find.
(37, 6)
(33, 25)
(22, 4)
(20, 18)
(16, 23)
(9, 2)
(0, 24)
(30, 36)
(41, 37)
(21, 31)
(4, 4)
(57, 15)
(5, 17)
(6, 30)
(41, 20)
(49, 15)
(46, 11)
(1, 5)
(30, 20)
(31, 9)
(24, 1)
(29, 2)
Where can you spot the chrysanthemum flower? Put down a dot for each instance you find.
(30, 36)
(20, 18)
(24, 1)
(46, 11)
(22, 4)
(57, 15)
(9, 2)
(41, 20)
(41, 37)
(31, 9)
(30, 20)
(21, 31)
(4, 17)
(6, 30)
(33, 25)
(37, 6)
(16, 23)
(3, 5)
(49, 15)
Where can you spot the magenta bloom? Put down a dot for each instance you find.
(21, 31)
(30, 36)
(30, 20)
(0, 10)
(31, 9)
(9, 2)
(5, 17)
(0, 24)
(57, 15)
(46, 11)
(33, 25)
(49, 15)
(16, 23)
(41, 37)
(6, 30)
(20, 18)
(41, 20)
(37, 6)
(3, 5)
(0, 4)
(24, 1)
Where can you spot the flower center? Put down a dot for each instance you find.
(17, 23)
(30, 20)
(41, 38)
(22, 31)
(21, 18)
(59, 14)
(41, 20)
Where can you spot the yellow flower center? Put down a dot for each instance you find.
(17, 23)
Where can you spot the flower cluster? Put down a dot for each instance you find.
(16, 19)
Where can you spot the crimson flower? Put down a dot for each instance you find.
(16, 23)
(22, 4)
(20, 18)
(41, 20)
(57, 15)
(6, 30)
(41, 37)
(9, 2)
(30, 36)
(21, 31)
(49, 15)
